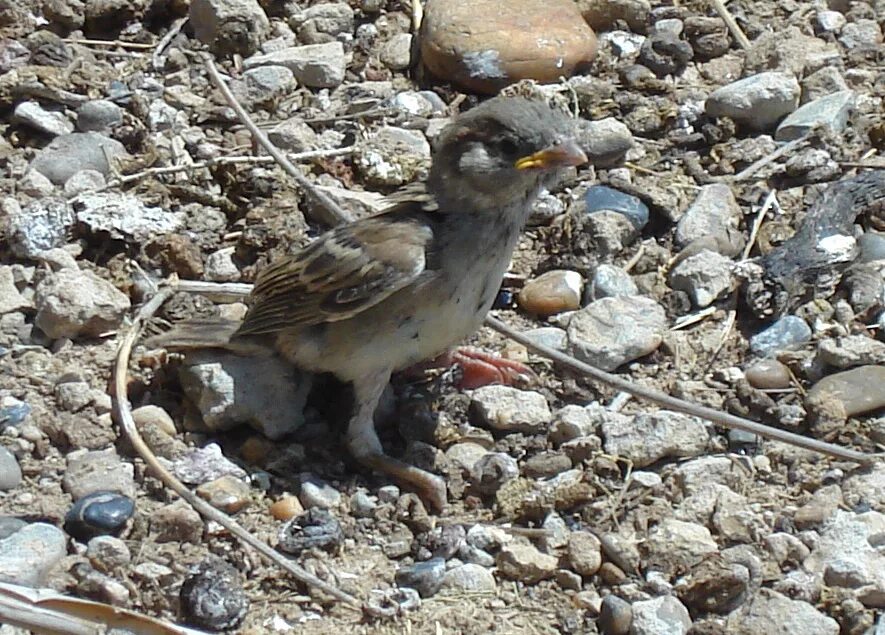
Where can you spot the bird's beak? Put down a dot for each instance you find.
(561, 155)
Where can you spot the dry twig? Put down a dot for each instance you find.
(731, 23)
(326, 209)
(123, 411)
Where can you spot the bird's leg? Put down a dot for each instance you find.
(363, 443)
(479, 368)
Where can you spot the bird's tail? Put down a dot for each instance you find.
(201, 333)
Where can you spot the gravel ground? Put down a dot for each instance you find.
(723, 247)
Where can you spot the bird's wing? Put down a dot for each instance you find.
(341, 273)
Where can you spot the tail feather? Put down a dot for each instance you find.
(201, 333)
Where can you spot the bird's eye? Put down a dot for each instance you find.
(508, 147)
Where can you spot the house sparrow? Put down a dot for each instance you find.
(382, 293)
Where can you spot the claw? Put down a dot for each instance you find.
(481, 368)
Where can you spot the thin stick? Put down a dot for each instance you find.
(127, 423)
(326, 209)
(662, 399)
(126, 45)
(227, 160)
(751, 169)
(721, 418)
(158, 59)
(731, 23)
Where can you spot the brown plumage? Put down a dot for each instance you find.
(383, 293)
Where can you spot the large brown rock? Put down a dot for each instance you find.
(484, 45)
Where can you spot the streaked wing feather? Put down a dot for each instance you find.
(340, 274)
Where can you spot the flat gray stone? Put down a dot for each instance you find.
(613, 331)
(72, 303)
(714, 211)
(704, 277)
(758, 101)
(68, 154)
(831, 111)
(510, 409)
(663, 615)
(123, 216)
(27, 555)
(10, 299)
(314, 65)
(770, 612)
(650, 437)
(263, 392)
(33, 115)
(860, 389)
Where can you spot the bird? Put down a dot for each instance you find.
(380, 294)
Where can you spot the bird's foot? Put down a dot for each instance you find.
(430, 487)
(481, 368)
(478, 368)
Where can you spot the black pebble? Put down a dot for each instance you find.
(98, 514)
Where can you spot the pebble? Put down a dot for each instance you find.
(605, 142)
(676, 545)
(10, 298)
(831, 111)
(228, 390)
(601, 198)
(649, 437)
(660, 616)
(705, 277)
(10, 471)
(758, 101)
(27, 555)
(861, 34)
(108, 553)
(313, 65)
(568, 580)
(99, 513)
(314, 529)
(770, 612)
(546, 463)
(866, 488)
(293, 135)
(286, 508)
(713, 212)
(787, 333)
(13, 412)
(549, 336)
(552, 292)
(323, 22)
(611, 232)
(41, 225)
(315, 492)
(229, 26)
(466, 454)
(396, 53)
(851, 350)
(610, 281)
(584, 553)
(470, 577)
(72, 303)
(394, 156)
(205, 464)
(96, 471)
(571, 422)
(9, 525)
(124, 216)
(388, 494)
(482, 46)
(83, 182)
(33, 115)
(69, 153)
(872, 246)
(362, 505)
(858, 390)
(264, 86)
(613, 331)
(212, 596)
(227, 493)
(828, 21)
(821, 83)
(98, 115)
(715, 585)
(509, 409)
(425, 577)
(177, 522)
(523, 562)
(769, 374)
(615, 616)
(35, 185)
(786, 549)
(73, 395)
(492, 470)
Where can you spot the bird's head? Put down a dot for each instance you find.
(502, 152)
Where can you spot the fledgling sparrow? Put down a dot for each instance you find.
(382, 293)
